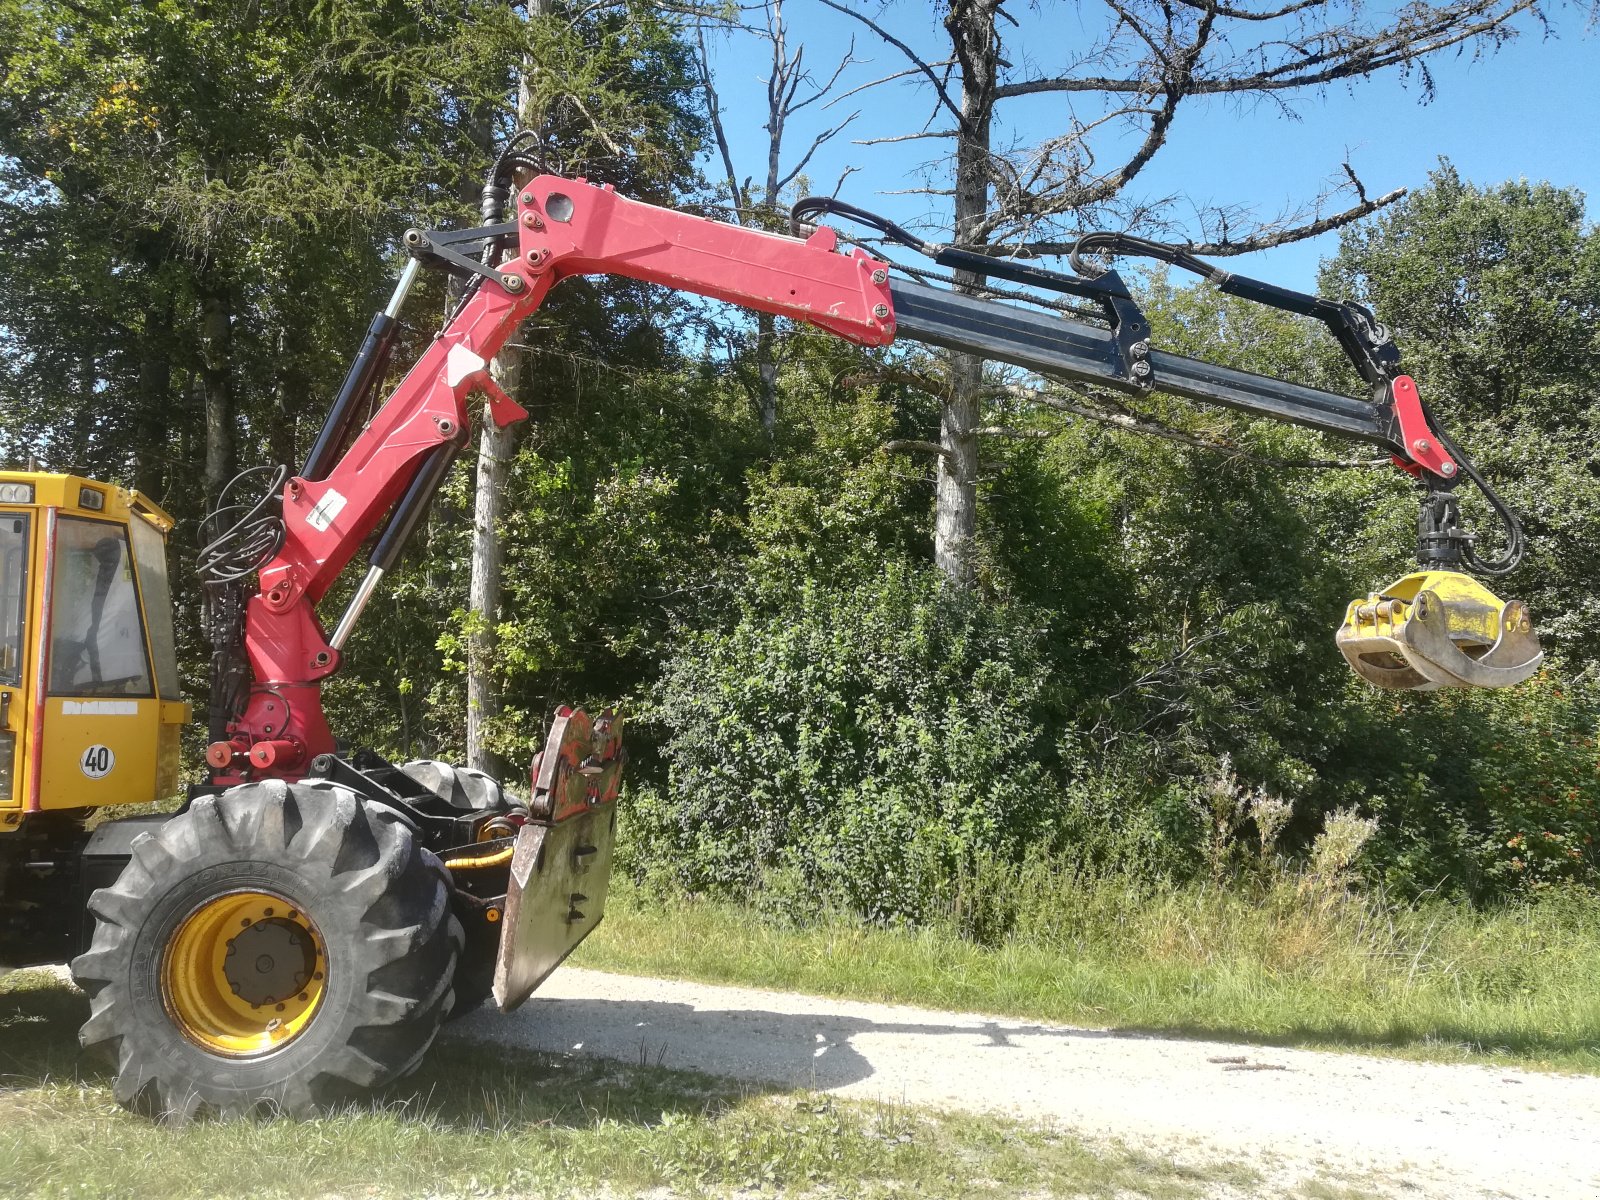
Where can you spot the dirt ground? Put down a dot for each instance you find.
(1299, 1117)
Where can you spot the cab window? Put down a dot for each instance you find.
(150, 553)
(97, 645)
(13, 593)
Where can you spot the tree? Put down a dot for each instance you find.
(606, 90)
(790, 88)
(1117, 93)
(216, 190)
(1493, 294)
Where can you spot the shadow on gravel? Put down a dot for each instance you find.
(816, 1050)
(785, 1050)
(460, 1085)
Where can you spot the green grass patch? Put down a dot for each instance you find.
(482, 1122)
(1281, 963)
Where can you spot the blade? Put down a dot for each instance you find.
(557, 895)
(561, 866)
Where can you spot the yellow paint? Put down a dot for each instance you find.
(129, 743)
(92, 750)
(1473, 611)
(201, 977)
(63, 492)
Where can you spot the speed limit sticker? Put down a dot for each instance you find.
(97, 762)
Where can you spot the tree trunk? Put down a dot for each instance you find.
(496, 449)
(778, 88)
(767, 369)
(153, 418)
(216, 384)
(971, 27)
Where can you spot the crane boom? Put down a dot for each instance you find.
(387, 474)
(300, 929)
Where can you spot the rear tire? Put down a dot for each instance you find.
(209, 996)
(468, 790)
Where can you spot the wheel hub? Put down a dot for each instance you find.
(244, 974)
(270, 960)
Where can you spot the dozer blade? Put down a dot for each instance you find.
(1435, 629)
(561, 867)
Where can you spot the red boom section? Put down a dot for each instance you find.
(565, 227)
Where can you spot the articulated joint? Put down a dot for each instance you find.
(438, 248)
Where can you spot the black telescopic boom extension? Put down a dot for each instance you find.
(1051, 345)
(1119, 355)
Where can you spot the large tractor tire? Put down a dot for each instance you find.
(277, 948)
(468, 790)
(464, 788)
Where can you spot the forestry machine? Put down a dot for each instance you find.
(297, 931)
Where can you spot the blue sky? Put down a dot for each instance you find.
(1530, 109)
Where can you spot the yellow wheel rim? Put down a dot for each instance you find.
(244, 974)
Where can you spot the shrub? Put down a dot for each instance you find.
(1490, 793)
(864, 740)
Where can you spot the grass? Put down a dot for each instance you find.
(480, 1122)
(1280, 964)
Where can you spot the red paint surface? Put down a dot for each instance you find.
(602, 234)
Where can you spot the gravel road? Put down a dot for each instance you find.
(1404, 1129)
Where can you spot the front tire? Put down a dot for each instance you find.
(279, 947)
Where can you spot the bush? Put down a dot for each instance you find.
(862, 741)
(1485, 794)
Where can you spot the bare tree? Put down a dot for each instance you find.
(1146, 60)
(791, 87)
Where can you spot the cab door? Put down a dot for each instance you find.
(16, 533)
(101, 712)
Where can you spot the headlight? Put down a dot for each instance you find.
(16, 493)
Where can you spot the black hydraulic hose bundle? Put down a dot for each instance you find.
(238, 536)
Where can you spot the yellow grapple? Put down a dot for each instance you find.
(1437, 629)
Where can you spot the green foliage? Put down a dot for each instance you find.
(198, 208)
(1484, 793)
(1494, 296)
(869, 738)
(1537, 778)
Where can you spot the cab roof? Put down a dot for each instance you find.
(76, 494)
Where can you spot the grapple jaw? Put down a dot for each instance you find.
(1437, 629)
